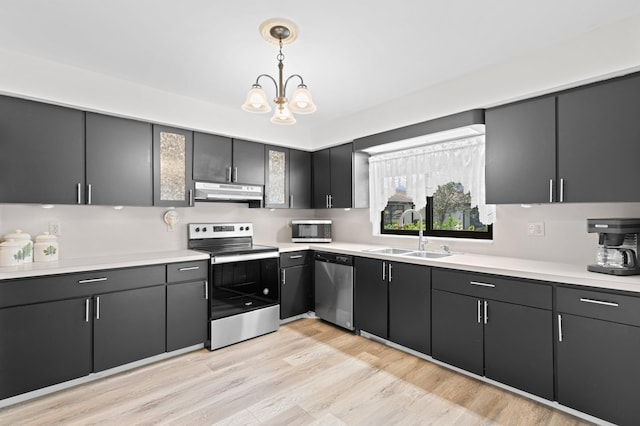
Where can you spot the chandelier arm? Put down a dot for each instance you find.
(270, 78)
(289, 78)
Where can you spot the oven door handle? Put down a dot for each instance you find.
(244, 257)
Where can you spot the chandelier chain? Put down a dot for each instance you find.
(280, 56)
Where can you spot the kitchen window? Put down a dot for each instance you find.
(443, 181)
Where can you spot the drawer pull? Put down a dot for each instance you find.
(297, 256)
(599, 302)
(481, 284)
(190, 268)
(92, 280)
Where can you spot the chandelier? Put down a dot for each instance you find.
(279, 31)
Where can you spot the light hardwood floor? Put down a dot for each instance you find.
(308, 373)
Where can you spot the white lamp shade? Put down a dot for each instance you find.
(283, 115)
(301, 101)
(256, 101)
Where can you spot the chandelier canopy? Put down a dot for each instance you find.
(280, 31)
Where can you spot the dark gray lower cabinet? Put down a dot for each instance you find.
(598, 347)
(186, 314)
(44, 344)
(296, 283)
(482, 324)
(371, 299)
(128, 326)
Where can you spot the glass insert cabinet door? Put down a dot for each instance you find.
(276, 193)
(172, 161)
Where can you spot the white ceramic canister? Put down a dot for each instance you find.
(26, 248)
(46, 248)
(10, 253)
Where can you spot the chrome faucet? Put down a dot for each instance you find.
(421, 240)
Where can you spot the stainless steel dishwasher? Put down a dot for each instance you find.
(334, 288)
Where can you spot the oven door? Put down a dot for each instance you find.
(243, 283)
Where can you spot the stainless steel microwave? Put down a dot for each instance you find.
(311, 231)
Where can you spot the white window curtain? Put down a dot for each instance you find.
(425, 168)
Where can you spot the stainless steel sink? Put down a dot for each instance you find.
(427, 254)
(389, 250)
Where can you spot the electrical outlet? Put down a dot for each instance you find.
(54, 228)
(535, 229)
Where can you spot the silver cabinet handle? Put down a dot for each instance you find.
(228, 170)
(235, 175)
(559, 328)
(330, 201)
(551, 190)
(98, 307)
(92, 280)
(79, 193)
(290, 201)
(384, 271)
(284, 276)
(326, 201)
(296, 256)
(191, 197)
(390, 268)
(486, 311)
(89, 193)
(479, 312)
(478, 283)
(600, 302)
(86, 310)
(206, 290)
(562, 190)
(189, 268)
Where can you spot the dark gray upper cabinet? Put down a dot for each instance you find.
(521, 152)
(299, 179)
(248, 162)
(276, 177)
(118, 161)
(333, 177)
(211, 158)
(172, 167)
(42, 149)
(599, 141)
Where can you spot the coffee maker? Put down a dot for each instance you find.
(617, 246)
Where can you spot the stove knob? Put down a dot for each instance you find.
(242, 228)
(247, 228)
(204, 229)
(197, 229)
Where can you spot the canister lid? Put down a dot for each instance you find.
(10, 242)
(46, 237)
(18, 235)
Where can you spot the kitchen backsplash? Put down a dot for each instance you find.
(98, 230)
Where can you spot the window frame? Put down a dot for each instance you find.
(430, 232)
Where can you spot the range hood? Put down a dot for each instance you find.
(230, 192)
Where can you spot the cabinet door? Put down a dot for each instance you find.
(410, 306)
(518, 347)
(599, 142)
(276, 185)
(248, 162)
(456, 330)
(172, 167)
(118, 160)
(299, 179)
(321, 178)
(186, 314)
(42, 158)
(371, 297)
(341, 176)
(128, 326)
(211, 158)
(521, 152)
(44, 344)
(597, 368)
(295, 291)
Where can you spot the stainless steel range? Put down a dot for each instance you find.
(243, 282)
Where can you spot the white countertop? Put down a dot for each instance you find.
(65, 266)
(508, 266)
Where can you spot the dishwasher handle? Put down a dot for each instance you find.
(339, 259)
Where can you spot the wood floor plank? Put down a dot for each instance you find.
(307, 373)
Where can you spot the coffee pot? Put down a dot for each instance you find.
(617, 252)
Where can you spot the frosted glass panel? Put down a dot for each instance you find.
(172, 166)
(276, 181)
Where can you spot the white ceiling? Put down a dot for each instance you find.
(353, 55)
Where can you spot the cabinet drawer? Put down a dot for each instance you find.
(598, 304)
(511, 290)
(187, 271)
(58, 287)
(295, 258)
